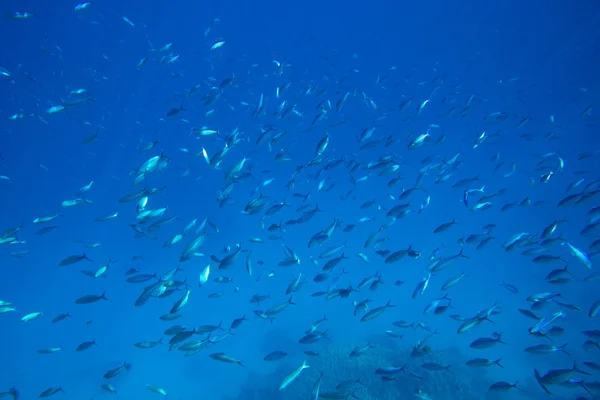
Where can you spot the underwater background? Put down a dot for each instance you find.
(324, 152)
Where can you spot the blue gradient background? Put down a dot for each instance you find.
(550, 48)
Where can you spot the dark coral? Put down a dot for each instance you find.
(459, 383)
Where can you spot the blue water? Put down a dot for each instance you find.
(536, 60)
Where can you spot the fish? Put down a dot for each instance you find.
(484, 343)
(32, 316)
(148, 344)
(91, 298)
(579, 254)
(157, 389)
(503, 386)
(293, 375)
(86, 345)
(73, 260)
(50, 391)
(111, 373)
(357, 351)
(317, 386)
(225, 358)
(445, 226)
(483, 362)
(375, 312)
(48, 350)
(275, 355)
(60, 317)
(546, 349)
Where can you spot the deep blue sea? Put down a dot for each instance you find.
(269, 134)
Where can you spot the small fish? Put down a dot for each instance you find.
(503, 386)
(376, 312)
(483, 363)
(49, 350)
(275, 355)
(435, 367)
(86, 345)
(225, 358)
(60, 317)
(32, 316)
(444, 227)
(91, 298)
(594, 309)
(157, 389)
(579, 254)
(293, 375)
(484, 343)
(80, 7)
(116, 371)
(49, 392)
(148, 345)
(73, 259)
(217, 45)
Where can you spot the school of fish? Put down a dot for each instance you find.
(337, 209)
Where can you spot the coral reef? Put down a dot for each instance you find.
(458, 383)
